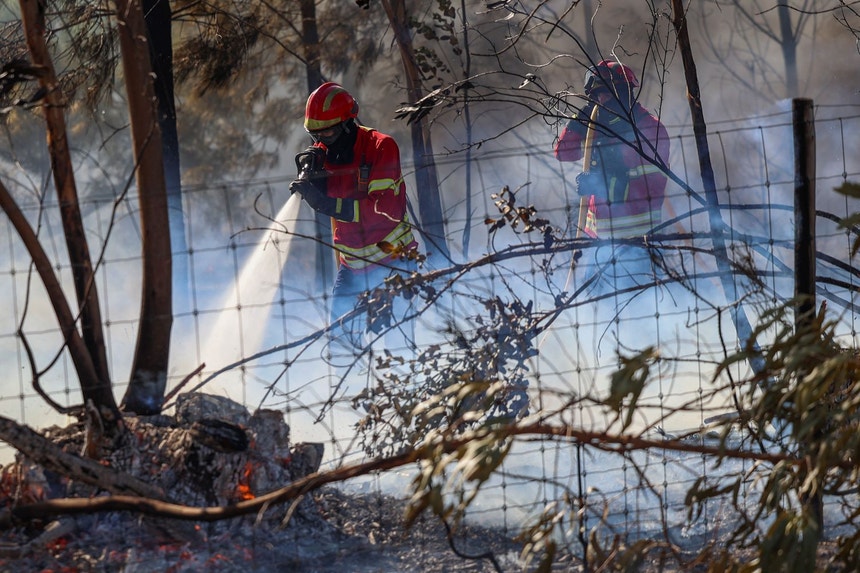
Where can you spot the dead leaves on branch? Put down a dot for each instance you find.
(516, 217)
(217, 54)
(453, 385)
(505, 201)
(627, 383)
(415, 112)
(402, 252)
(14, 75)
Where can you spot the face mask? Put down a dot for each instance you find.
(340, 151)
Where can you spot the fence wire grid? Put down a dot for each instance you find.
(257, 280)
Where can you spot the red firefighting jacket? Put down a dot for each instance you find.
(375, 182)
(635, 187)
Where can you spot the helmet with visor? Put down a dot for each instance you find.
(609, 75)
(327, 108)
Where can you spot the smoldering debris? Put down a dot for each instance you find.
(213, 452)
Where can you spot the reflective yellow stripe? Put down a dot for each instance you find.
(361, 257)
(339, 207)
(646, 169)
(591, 223)
(630, 226)
(383, 184)
(318, 124)
(613, 194)
(329, 97)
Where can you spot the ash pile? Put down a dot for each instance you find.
(212, 452)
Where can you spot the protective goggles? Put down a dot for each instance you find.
(593, 81)
(328, 135)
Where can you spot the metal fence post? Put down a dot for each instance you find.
(804, 240)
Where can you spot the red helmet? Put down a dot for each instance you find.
(609, 72)
(329, 105)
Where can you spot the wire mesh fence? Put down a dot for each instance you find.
(254, 308)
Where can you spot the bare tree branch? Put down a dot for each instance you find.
(78, 350)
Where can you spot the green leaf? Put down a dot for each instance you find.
(627, 383)
(850, 189)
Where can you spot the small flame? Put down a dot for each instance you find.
(243, 489)
(244, 492)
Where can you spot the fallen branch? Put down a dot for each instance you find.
(51, 457)
(433, 449)
(159, 508)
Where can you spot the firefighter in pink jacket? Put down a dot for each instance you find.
(355, 178)
(623, 179)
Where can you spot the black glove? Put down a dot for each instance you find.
(343, 209)
(309, 163)
(311, 193)
(591, 183)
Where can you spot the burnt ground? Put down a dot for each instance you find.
(333, 533)
(213, 453)
(381, 542)
(336, 532)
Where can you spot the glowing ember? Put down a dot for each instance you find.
(243, 489)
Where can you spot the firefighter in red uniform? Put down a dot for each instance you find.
(356, 180)
(623, 177)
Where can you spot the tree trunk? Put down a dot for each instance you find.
(148, 380)
(326, 259)
(467, 119)
(311, 44)
(788, 44)
(700, 129)
(95, 385)
(158, 18)
(429, 200)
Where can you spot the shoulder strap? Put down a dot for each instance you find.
(364, 166)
